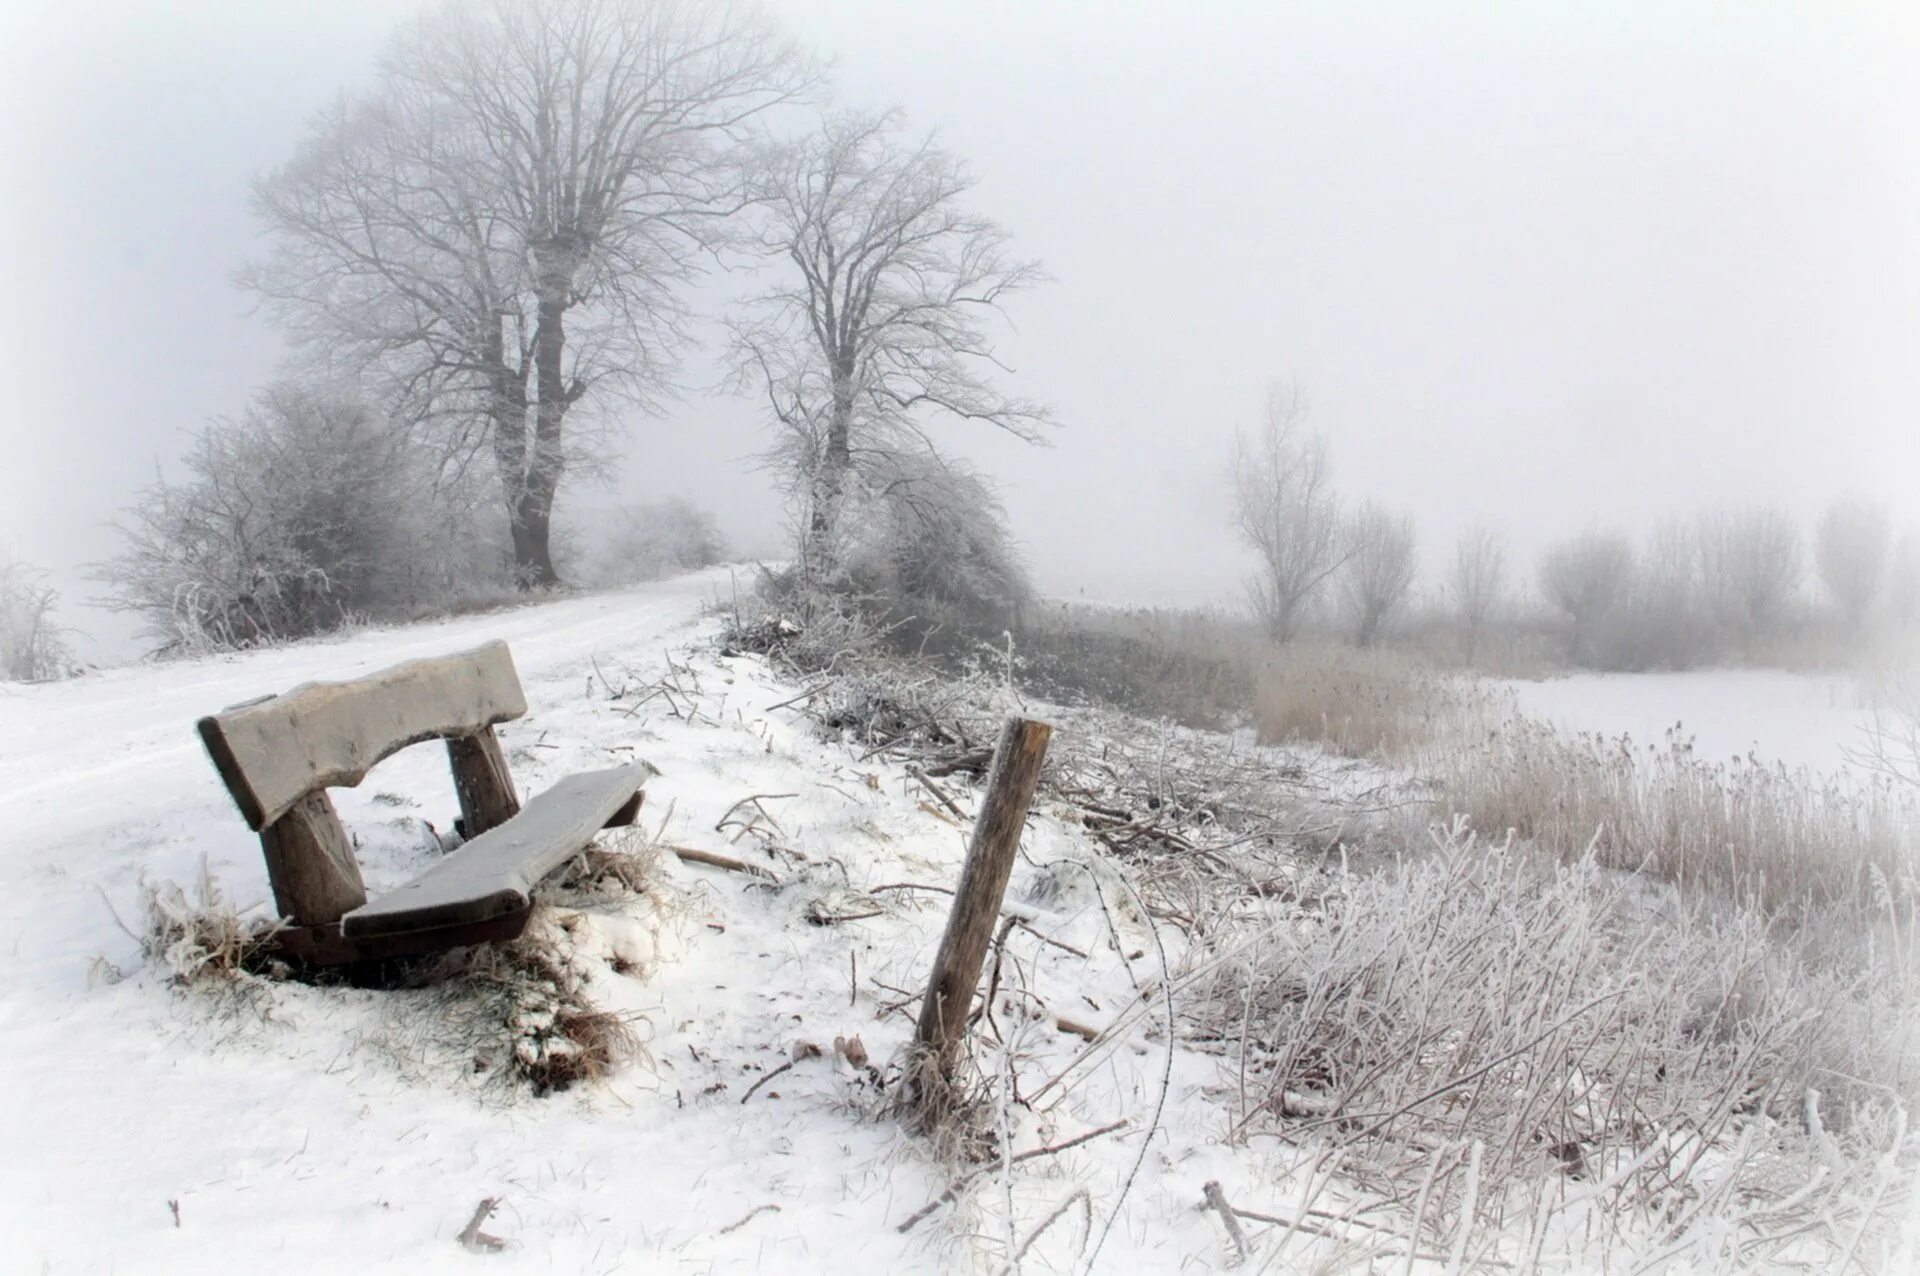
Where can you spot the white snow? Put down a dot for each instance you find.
(324, 1128)
(329, 1128)
(1780, 717)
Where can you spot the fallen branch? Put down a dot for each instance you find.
(714, 859)
(1078, 1029)
(939, 793)
(762, 1081)
(751, 1214)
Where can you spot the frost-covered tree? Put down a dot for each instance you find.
(878, 326)
(1477, 577)
(1285, 509)
(1752, 564)
(1903, 579)
(1379, 568)
(32, 645)
(1585, 576)
(1661, 620)
(499, 227)
(1851, 547)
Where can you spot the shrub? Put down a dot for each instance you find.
(931, 540)
(32, 647)
(659, 539)
(307, 510)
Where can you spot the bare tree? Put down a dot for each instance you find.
(1379, 568)
(500, 225)
(1903, 579)
(32, 646)
(1285, 509)
(1851, 547)
(879, 326)
(1585, 576)
(1478, 579)
(1664, 624)
(1753, 565)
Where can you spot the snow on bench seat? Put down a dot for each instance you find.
(495, 873)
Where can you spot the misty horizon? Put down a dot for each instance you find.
(1549, 274)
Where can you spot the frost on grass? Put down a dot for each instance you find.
(520, 1013)
(524, 1011)
(1517, 1050)
(203, 940)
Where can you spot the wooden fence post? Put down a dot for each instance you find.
(976, 904)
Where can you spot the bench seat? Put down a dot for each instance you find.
(493, 875)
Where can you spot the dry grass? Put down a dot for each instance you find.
(626, 866)
(204, 939)
(1774, 839)
(521, 1010)
(1376, 703)
(1506, 1054)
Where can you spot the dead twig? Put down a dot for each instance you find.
(1216, 1200)
(939, 793)
(762, 1081)
(751, 1214)
(471, 1237)
(1051, 1149)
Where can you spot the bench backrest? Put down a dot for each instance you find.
(273, 753)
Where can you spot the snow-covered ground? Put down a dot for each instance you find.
(304, 1128)
(309, 1129)
(1792, 719)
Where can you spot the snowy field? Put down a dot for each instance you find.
(298, 1128)
(1793, 719)
(311, 1129)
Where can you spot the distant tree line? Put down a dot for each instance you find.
(1737, 585)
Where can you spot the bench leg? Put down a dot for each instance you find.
(315, 877)
(482, 781)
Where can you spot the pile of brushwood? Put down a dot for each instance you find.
(1205, 817)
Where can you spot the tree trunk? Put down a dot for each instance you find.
(830, 483)
(508, 410)
(533, 512)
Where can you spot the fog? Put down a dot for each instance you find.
(1532, 266)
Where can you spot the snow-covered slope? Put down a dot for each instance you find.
(150, 1129)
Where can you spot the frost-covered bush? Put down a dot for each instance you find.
(31, 645)
(928, 537)
(646, 542)
(307, 510)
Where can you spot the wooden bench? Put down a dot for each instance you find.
(279, 756)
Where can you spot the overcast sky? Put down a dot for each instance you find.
(1545, 265)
